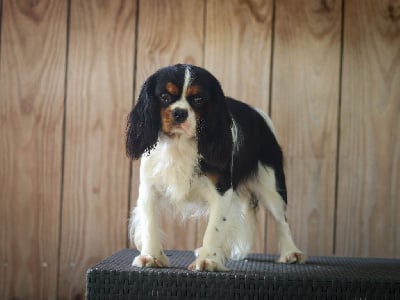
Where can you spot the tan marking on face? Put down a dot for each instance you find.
(193, 90)
(214, 177)
(172, 89)
(167, 121)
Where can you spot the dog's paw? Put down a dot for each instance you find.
(149, 261)
(206, 264)
(293, 257)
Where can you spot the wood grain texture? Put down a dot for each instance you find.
(369, 163)
(238, 48)
(238, 53)
(32, 69)
(169, 32)
(304, 109)
(96, 171)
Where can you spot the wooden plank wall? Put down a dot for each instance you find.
(369, 159)
(32, 76)
(99, 95)
(328, 72)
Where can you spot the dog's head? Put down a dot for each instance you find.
(181, 100)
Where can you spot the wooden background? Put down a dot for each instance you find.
(327, 71)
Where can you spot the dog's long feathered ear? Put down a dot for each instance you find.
(214, 132)
(144, 122)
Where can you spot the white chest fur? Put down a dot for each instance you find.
(170, 167)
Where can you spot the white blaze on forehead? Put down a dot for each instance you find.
(189, 126)
(186, 82)
(182, 102)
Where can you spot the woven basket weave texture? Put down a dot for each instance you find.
(256, 277)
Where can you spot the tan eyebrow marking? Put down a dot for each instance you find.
(193, 90)
(172, 89)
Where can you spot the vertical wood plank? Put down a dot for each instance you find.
(238, 48)
(96, 176)
(238, 53)
(304, 109)
(1, 22)
(169, 32)
(32, 70)
(369, 186)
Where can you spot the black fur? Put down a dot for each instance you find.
(214, 128)
(257, 144)
(144, 122)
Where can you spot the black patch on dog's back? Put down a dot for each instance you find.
(257, 143)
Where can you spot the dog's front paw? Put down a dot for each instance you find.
(293, 257)
(206, 264)
(149, 261)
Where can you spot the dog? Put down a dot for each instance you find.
(203, 153)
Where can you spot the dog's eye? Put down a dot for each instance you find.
(164, 97)
(198, 100)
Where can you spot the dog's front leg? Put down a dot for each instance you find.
(145, 230)
(211, 256)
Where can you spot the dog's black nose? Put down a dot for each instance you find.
(180, 115)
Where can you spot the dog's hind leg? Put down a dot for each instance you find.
(264, 185)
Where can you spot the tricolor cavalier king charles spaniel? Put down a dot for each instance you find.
(203, 153)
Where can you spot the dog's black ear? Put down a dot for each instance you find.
(214, 131)
(144, 121)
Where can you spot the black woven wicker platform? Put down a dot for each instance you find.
(257, 277)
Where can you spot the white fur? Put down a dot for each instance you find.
(263, 186)
(186, 81)
(236, 136)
